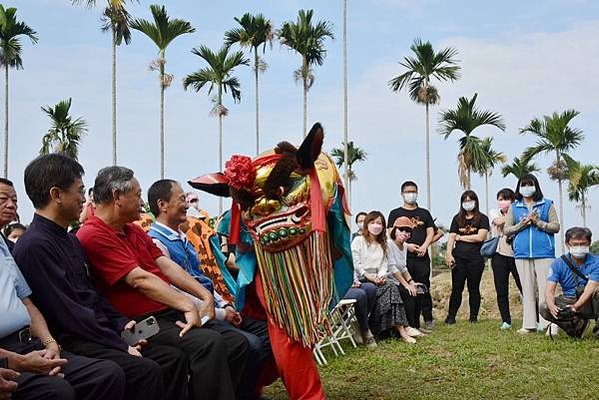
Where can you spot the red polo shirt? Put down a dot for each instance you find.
(112, 255)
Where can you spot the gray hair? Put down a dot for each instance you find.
(579, 233)
(110, 180)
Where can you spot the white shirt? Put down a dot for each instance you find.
(397, 257)
(368, 258)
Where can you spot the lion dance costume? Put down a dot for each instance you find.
(289, 204)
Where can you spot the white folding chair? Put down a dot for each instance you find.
(344, 314)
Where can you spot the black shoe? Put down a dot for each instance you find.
(450, 320)
(473, 320)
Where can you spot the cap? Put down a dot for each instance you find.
(403, 222)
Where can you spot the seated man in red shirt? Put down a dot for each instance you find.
(135, 277)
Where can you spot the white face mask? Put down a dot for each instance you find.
(375, 229)
(579, 252)
(360, 225)
(469, 205)
(527, 191)
(410, 198)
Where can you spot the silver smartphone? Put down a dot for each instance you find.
(142, 330)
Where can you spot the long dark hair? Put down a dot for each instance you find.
(382, 237)
(527, 180)
(468, 194)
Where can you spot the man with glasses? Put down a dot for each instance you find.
(577, 272)
(418, 260)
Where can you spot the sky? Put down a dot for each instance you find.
(524, 59)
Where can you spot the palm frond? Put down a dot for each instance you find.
(424, 65)
(467, 117)
(306, 38)
(65, 133)
(519, 167)
(554, 133)
(162, 30)
(218, 75)
(10, 32)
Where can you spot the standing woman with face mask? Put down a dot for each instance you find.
(533, 220)
(503, 262)
(370, 254)
(468, 231)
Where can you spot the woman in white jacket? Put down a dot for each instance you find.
(370, 253)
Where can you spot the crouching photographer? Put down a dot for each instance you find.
(577, 272)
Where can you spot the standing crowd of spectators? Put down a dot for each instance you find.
(393, 267)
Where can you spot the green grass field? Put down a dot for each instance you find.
(466, 361)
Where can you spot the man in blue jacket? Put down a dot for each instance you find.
(577, 272)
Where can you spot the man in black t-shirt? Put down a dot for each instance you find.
(418, 263)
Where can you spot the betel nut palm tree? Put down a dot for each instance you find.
(425, 65)
(354, 154)
(162, 31)
(10, 57)
(582, 178)
(555, 136)
(465, 118)
(65, 133)
(307, 38)
(255, 32)
(218, 77)
(116, 20)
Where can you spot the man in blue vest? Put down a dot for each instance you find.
(168, 203)
(577, 272)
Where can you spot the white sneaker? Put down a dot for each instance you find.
(525, 331)
(552, 330)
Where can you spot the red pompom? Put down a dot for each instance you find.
(239, 172)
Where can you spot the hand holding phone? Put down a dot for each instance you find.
(140, 331)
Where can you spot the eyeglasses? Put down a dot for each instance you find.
(406, 230)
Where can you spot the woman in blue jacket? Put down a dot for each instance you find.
(533, 221)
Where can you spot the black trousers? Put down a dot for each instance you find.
(502, 268)
(259, 352)
(468, 270)
(216, 355)
(84, 378)
(161, 374)
(420, 270)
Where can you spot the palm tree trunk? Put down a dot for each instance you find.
(428, 162)
(6, 121)
(349, 187)
(487, 192)
(561, 205)
(257, 101)
(220, 141)
(113, 96)
(305, 81)
(469, 183)
(162, 125)
(583, 211)
(345, 103)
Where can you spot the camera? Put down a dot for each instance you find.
(566, 314)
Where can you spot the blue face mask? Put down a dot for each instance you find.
(527, 191)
